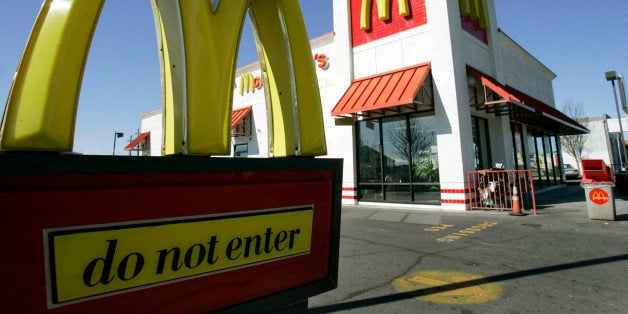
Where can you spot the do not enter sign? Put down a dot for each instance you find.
(598, 196)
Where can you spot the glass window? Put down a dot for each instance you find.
(396, 154)
(533, 158)
(398, 159)
(241, 150)
(542, 161)
(370, 151)
(424, 149)
(517, 142)
(481, 143)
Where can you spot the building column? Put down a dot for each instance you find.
(453, 113)
(341, 138)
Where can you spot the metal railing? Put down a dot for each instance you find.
(493, 189)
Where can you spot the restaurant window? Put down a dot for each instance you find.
(481, 143)
(543, 154)
(517, 143)
(241, 150)
(398, 159)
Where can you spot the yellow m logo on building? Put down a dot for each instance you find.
(246, 83)
(383, 11)
(198, 41)
(476, 10)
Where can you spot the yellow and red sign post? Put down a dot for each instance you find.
(180, 233)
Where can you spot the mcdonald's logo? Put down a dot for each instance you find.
(598, 196)
(476, 10)
(383, 11)
(198, 42)
(248, 83)
(372, 20)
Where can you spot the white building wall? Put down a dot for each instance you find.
(152, 122)
(340, 132)
(454, 139)
(598, 143)
(520, 70)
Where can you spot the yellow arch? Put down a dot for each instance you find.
(198, 42)
(42, 103)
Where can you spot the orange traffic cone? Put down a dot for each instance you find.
(516, 205)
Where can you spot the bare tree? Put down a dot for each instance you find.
(419, 143)
(575, 145)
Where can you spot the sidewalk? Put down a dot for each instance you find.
(565, 203)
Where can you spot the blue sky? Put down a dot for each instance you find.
(578, 40)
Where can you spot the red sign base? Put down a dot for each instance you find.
(50, 201)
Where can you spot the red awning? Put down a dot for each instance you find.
(523, 108)
(137, 140)
(508, 102)
(548, 117)
(238, 115)
(389, 91)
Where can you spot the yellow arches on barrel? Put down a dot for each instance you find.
(198, 42)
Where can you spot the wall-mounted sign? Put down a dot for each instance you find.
(322, 61)
(372, 20)
(250, 83)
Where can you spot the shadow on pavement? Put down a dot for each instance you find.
(564, 194)
(439, 289)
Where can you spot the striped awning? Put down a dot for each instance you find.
(238, 115)
(391, 91)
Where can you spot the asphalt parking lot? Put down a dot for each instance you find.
(401, 261)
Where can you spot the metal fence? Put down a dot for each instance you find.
(493, 189)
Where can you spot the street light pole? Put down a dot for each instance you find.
(612, 76)
(116, 134)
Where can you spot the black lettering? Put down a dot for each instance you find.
(107, 263)
(281, 236)
(267, 247)
(231, 247)
(258, 245)
(211, 259)
(139, 264)
(163, 254)
(292, 234)
(190, 253)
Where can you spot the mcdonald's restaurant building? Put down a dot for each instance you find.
(415, 94)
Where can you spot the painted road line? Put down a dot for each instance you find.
(465, 294)
(465, 232)
(438, 228)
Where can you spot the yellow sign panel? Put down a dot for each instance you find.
(88, 262)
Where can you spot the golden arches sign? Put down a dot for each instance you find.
(198, 42)
(383, 11)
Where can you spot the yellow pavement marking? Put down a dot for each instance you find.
(474, 294)
(465, 232)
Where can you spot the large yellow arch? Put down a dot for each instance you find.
(198, 41)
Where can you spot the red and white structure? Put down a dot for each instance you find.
(416, 94)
